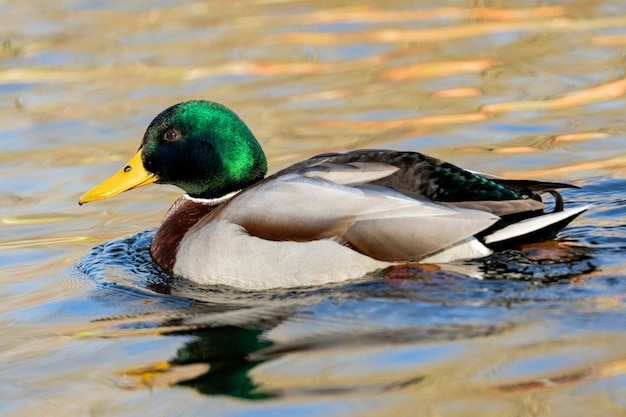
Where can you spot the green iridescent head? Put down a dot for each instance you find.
(203, 148)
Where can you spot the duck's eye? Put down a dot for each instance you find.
(171, 134)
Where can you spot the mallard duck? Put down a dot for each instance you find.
(331, 218)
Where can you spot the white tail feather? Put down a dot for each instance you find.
(532, 225)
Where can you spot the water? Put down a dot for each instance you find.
(90, 326)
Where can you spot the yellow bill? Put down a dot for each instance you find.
(133, 175)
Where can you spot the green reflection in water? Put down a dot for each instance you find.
(225, 349)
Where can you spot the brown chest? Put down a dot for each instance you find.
(183, 214)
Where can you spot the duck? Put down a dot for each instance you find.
(327, 219)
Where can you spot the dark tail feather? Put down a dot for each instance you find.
(525, 186)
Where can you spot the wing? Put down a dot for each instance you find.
(343, 202)
(424, 177)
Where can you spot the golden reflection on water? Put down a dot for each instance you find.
(533, 92)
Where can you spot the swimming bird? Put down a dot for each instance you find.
(330, 218)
